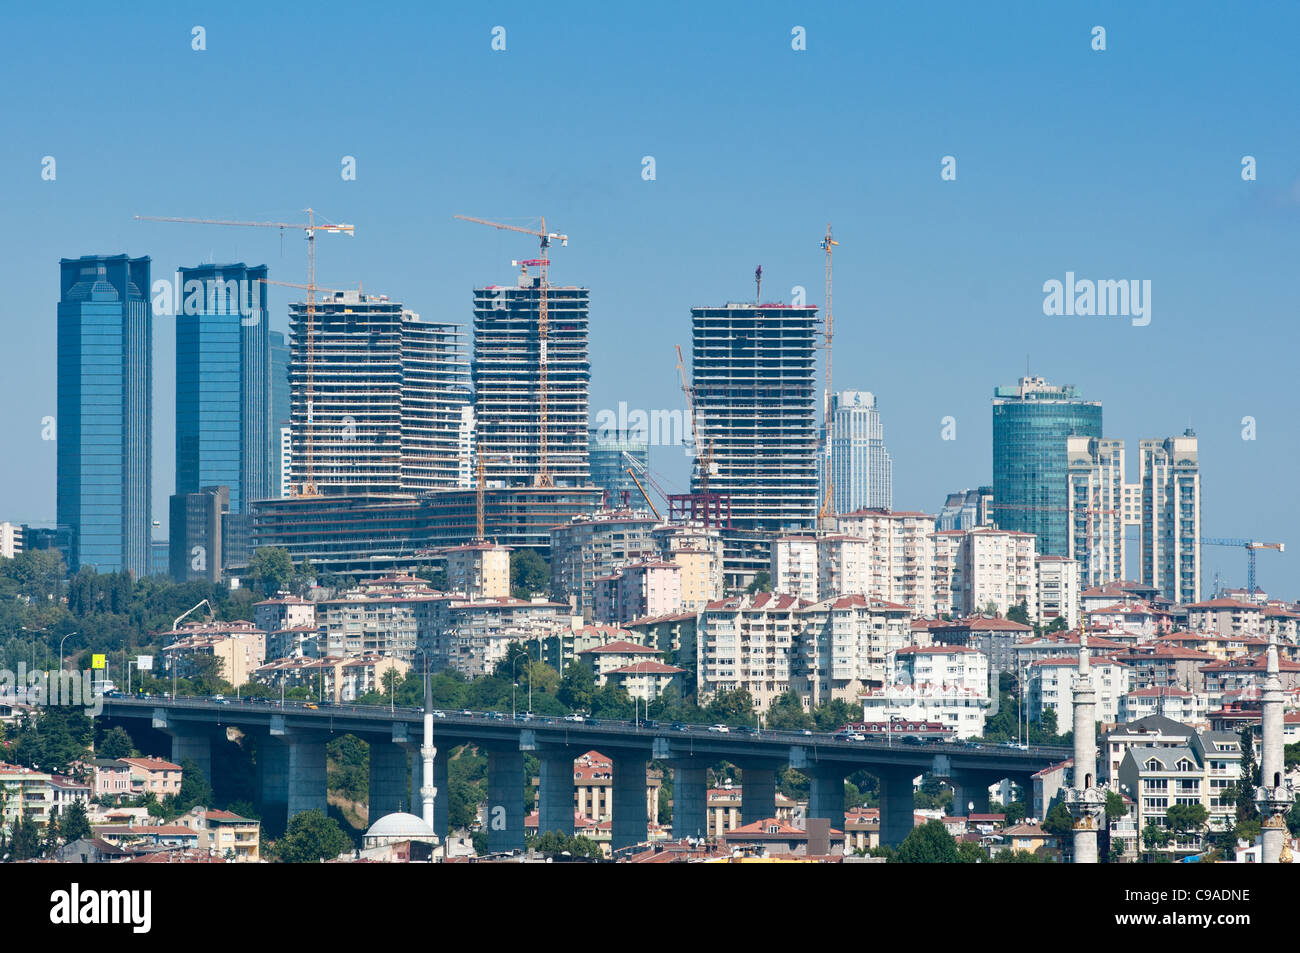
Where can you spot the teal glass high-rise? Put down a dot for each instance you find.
(105, 403)
(1030, 465)
(224, 433)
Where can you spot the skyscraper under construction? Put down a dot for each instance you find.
(378, 408)
(756, 406)
(507, 373)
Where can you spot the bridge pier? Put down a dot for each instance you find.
(505, 807)
(629, 802)
(690, 799)
(192, 744)
(555, 789)
(970, 788)
(390, 779)
(292, 774)
(757, 793)
(896, 804)
(826, 794)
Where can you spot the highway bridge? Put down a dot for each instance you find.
(291, 738)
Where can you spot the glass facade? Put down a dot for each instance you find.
(224, 433)
(609, 465)
(1030, 470)
(105, 395)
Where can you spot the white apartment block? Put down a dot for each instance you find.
(942, 665)
(902, 555)
(1176, 704)
(1169, 540)
(1227, 617)
(845, 645)
(996, 568)
(844, 567)
(959, 709)
(1058, 590)
(11, 540)
(1050, 684)
(1097, 498)
(748, 642)
(478, 570)
(794, 566)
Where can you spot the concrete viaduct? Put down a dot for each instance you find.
(292, 739)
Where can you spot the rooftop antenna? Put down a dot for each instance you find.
(758, 285)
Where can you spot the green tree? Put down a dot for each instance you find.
(311, 837)
(1186, 818)
(1247, 810)
(115, 744)
(1018, 857)
(74, 824)
(1019, 614)
(25, 839)
(1059, 823)
(970, 852)
(929, 843)
(762, 582)
(1015, 812)
(272, 567)
(555, 843)
(529, 573)
(786, 713)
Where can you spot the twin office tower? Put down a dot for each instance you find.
(225, 424)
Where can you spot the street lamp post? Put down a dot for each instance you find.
(61, 641)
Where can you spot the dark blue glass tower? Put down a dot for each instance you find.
(1030, 466)
(224, 434)
(105, 403)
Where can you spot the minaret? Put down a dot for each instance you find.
(1274, 795)
(1084, 800)
(428, 752)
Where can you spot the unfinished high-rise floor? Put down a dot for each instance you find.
(508, 353)
(756, 405)
(380, 411)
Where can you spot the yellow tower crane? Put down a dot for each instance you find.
(543, 476)
(828, 505)
(310, 227)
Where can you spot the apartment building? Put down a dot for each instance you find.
(902, 555)
(1058, 590)
(748, 642)
(844, 645)
(1199, 771)
(239, 647)
(943, 665)
(589, 547)
(1049, 684)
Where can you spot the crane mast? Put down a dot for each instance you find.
(828, 504)
(543, 475)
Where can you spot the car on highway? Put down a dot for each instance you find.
(678, 726)
(850, 736)
(311, 705)
(574, 717)
(720, 729)
(748, 730)
(914, 740)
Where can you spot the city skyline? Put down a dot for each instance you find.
(1213, 245)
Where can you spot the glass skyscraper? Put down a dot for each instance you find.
(1031, 422)
(860, 465)
(105, 403)
(224, 433)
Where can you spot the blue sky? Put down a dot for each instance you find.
(1117, 164)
